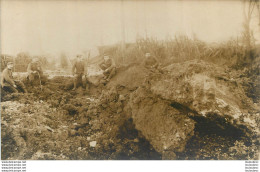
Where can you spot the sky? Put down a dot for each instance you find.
(52, 27)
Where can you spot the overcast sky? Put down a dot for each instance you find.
(41, 27)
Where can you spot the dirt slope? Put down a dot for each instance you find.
(191, 110)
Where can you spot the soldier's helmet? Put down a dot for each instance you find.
(106, 56)
(10, 65)
(79, 57)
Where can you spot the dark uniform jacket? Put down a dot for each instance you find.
(34, 67)
(150, 62)
(107, 64)
(7, 78)
(78, 68)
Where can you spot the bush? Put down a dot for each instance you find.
(182, 48)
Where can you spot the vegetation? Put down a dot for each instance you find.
(232, 53)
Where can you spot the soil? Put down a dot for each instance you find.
(103, 122)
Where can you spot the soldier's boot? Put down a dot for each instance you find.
(21, 86)
(75, 86)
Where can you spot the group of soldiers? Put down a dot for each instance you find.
(34, 71)
(9, 84)
(78, 70)
(108, 66)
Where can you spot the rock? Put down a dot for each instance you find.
(165, 127)
(49, 128)
(95, 80)
(88, 138)
(164, 109)
(201, 87)
(168, 155)
(93, 144)
(121, 97)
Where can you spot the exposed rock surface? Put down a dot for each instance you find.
(166, 128)
(173, 99)
(206, 89)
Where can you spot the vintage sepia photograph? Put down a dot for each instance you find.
(130, 79)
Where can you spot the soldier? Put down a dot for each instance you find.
(8, 83)
(150, 62)
(109, 67)
(78, 71)
(34, 70)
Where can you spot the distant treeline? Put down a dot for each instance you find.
(21, 61)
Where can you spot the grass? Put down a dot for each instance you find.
(182, 48)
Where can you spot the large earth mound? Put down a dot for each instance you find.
(189, 110)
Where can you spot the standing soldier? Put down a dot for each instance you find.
(34, 70)
(78, 70)
(7, 81)
(109, 67)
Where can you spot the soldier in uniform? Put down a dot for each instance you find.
(34, 70)
(109, 67)
(150, 62)
(8, 83)
(78, 71)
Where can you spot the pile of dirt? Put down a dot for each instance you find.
(129, 77)
(206, 89)
(56, 123)
(207, 94)
(190, 110)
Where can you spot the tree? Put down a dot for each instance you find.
(258, 9)
(249, 7)
(21, 61)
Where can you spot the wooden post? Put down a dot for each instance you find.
(137, 15)
(258, 9)
(14, 63)
(145, 21)
(123, 30)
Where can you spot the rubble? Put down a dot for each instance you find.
(93, 144)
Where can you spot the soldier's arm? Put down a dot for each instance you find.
(86, 69)
(40, 68)
(84, 66)
(113, 64)
(7, 78)
(156, 63)
(29, 69)
(101, 64)
(145, 63)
